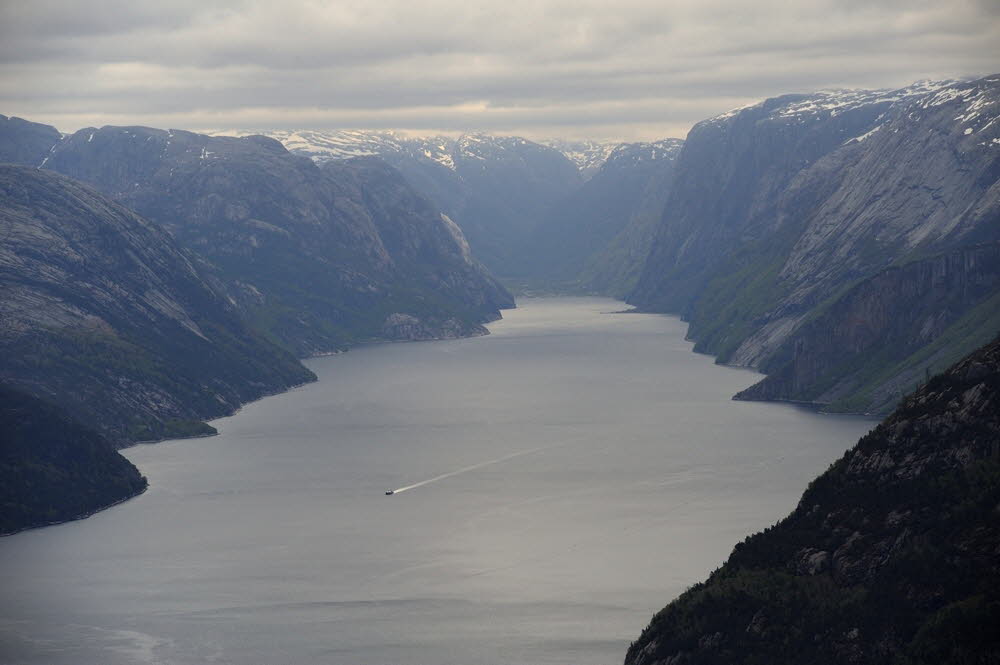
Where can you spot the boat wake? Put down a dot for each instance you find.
(466, 469)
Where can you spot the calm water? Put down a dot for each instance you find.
(595, 468)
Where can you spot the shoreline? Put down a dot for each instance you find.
(79, 517)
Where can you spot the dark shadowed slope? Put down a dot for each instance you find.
(892, 555)
(54, 469)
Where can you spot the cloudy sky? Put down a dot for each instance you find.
(542, 68)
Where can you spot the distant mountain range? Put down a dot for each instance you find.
(324, 145)
(498, 189)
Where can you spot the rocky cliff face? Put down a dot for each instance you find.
(778, 208)
(426, 246)
(916, 318)
(302, 247)
(102, 313)
(596, 237)
(729, 177)
(618, 211)
(892, 555)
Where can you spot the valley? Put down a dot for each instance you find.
(620, 472)
(536, 476)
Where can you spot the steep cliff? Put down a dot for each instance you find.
(779, 208)
(637, 178)
(103, 314)
(892, 555)
(729, 176)
(303, 251)
(426, 246)
(876, 342)
(54, 469)
(605, 221)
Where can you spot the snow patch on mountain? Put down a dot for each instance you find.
(589, 156)
(324, 145)
(835, 102)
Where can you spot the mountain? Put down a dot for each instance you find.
(496, 188)
(588, 156)
(892, 555)
(596, 238)
(104, 315)
(315, 257)
(324, 145)
(779, 209)
(25, 142)
(54, 469)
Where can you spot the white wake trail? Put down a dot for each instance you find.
(468, 468)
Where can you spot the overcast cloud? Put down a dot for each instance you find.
(544, 68)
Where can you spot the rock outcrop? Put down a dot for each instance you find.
(892, 555)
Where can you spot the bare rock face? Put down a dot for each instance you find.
(892, 555)
(103, 314)
(917, 317)
(320, 256)
(778, 209)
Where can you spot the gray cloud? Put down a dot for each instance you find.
(634, 69)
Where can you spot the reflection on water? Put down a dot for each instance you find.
(576, 469)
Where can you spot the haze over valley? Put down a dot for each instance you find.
(665, 266)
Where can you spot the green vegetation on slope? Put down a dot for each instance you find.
(53, 469)
(891, 557)
(970, 332)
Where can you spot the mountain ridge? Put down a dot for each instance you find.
(780, 206)
(299, 243)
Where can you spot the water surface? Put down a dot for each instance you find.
(585, 468)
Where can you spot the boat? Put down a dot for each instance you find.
(390, 492)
